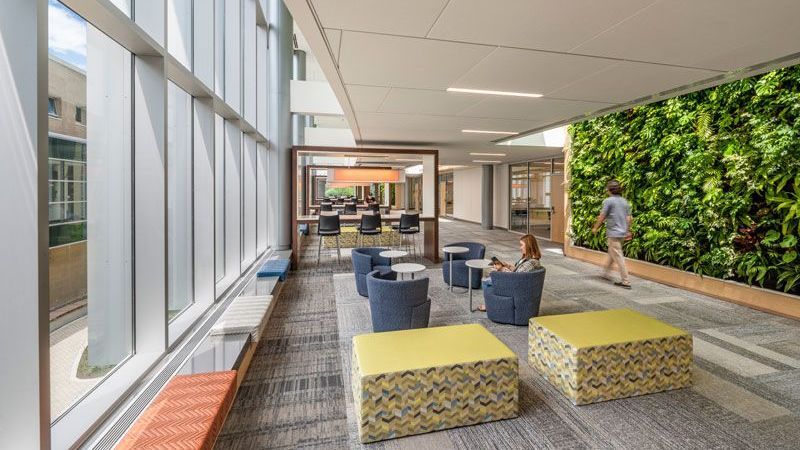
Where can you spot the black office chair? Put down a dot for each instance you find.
(409, 226)
(350, 209)
(329, 225)
(326, 207)
(370, 226)
(374, 207)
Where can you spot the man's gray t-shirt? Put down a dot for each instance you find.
(616, 209)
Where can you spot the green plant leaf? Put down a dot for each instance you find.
(789, 256)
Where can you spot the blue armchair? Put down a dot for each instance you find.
(365, 260)
(397, 305)
(460, 269)
(514, 297)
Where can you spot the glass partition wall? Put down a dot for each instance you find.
(536, 198)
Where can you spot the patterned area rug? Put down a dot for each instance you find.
(746, 390)
(677, 419)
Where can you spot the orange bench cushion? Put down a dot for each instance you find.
(187, 414)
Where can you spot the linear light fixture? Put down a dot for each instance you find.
(408, 160)
(488, 92)
(488, 154)
(489, 132)
(486, 161)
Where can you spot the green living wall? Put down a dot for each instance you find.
(713, 178)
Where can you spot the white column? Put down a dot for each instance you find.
(24, 365)
(280, 126)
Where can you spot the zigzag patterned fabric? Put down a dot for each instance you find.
(187, 414)
(420, 401)
(349, 238)
(606, 372)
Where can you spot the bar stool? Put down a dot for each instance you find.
(329, 225)
(370, 226)
(409, 225)
(350, 209)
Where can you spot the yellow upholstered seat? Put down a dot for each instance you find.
(604, 355)
(595, 328)
(421, 380)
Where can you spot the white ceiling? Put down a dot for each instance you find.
(390, 61)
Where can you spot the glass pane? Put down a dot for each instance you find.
(540, 206)
(179, 200)
(91, 295)
(56, 212)
(219, 196)
(56, 169)
(519, 198)
(179, 30)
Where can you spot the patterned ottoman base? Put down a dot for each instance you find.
(605, 355)
(422, 380)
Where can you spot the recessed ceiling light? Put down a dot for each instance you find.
(486, 161)
(488, 154)
(489, 132)
(488, 92)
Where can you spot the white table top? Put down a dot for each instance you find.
(393, 253)
(455, 249)
(479, 263)
(408, 268)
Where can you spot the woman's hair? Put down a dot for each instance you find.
(531, 247)
(614, 187)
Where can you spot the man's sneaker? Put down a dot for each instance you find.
(622, 285)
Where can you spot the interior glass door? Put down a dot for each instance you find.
(540, 206)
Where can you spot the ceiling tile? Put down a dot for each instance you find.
(508, 69)
(626, 81)
(413, 123)
(334, 40)
(381, 60)
(406, 17)
(713, 34)
(419, 101)
(534, 24)
(535, 111)
(366, 98)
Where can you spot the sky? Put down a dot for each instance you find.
(67, 34)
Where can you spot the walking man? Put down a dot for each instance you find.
(616, 213)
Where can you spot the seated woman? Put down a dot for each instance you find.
(528, 262)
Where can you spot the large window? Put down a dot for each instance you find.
(153, 194)
(179, 201)
(91, 295)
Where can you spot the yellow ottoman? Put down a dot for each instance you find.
(604, 355)
(428, 379)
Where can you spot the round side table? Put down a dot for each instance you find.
(393, 254)
(476, 264)
(451, 251)
(411, 268)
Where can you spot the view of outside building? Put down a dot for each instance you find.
(89, 206)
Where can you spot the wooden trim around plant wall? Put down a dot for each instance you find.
(774, 302)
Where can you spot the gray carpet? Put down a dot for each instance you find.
(687, 418)
(747, 367)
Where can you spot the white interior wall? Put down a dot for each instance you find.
(500, 212)
(467, 194)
